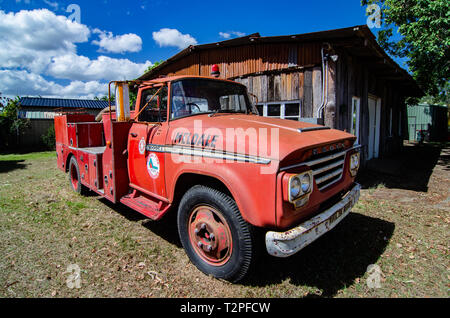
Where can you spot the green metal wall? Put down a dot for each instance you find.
(432, 118)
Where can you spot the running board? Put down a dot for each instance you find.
(151, 208)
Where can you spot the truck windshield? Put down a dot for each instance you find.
(200, 96)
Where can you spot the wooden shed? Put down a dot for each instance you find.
(341, 78)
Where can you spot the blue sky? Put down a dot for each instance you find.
(41, 42)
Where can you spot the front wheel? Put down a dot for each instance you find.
(214, 235)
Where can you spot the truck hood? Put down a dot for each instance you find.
(252, 135)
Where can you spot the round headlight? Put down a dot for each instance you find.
(354, 162)
(295, 187)
(305, 181)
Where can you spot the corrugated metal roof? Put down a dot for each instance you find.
(63, 103)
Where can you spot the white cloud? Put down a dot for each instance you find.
(31, 38)
(227, 35)
(173, 37)
(76, 67)
(14, 82)
(118, 44)
(38, 43)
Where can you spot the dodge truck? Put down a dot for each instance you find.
(196, 146)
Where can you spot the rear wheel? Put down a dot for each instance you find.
(215, 236)
(74, 177)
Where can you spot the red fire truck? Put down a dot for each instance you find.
(197, 147)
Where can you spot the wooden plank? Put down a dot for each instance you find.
(289, 86)
(316, 89)
(277, 88)
(301, 85)
(270, 88)
(250, 84)
(264, 88)
(257, 87)
(308, 95)
(330, 110)
(294, 87)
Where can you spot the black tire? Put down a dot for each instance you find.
(74, 173)
(237, 256)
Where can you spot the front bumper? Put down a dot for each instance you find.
(284, 244)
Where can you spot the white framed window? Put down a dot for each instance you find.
(354, 122)
(284, 110)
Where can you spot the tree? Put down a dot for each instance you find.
(10, 123)
(153, 66)
(423, 28)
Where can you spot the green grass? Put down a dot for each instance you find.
(45, 227)
(28, 156)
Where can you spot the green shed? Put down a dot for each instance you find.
(430, 118)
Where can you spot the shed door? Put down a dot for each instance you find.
(374, 127)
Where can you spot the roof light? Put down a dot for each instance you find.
(215, 70)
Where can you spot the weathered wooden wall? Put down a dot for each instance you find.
(243, 60)
(355, 78)
(277, 72)
(300, 85)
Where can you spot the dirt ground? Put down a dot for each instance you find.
(400, 225)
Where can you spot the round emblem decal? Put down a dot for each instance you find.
(142, 146)
(153, 165)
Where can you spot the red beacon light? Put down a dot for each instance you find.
(215, 70)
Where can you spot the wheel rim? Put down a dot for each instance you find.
(210, 235)
(74, 177)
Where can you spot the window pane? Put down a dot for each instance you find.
(292, 109)
(205, 96)
(156, 109)
(274, 110)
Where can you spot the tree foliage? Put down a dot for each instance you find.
(10, 124)
(48, 139)
(423, 28)
(154, 65)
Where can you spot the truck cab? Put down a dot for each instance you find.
(197, 147)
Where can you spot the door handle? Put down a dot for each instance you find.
(133, 135)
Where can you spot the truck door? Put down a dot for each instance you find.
(145, 163)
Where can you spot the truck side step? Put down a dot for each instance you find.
(151, 208)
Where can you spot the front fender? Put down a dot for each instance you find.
(253, 190)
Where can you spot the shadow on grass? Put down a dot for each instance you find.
(409, 170)
(166, 228)
(332, 262)
(11, 165)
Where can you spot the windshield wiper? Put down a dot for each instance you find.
(226, 111)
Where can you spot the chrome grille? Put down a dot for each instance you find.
(327, 170)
